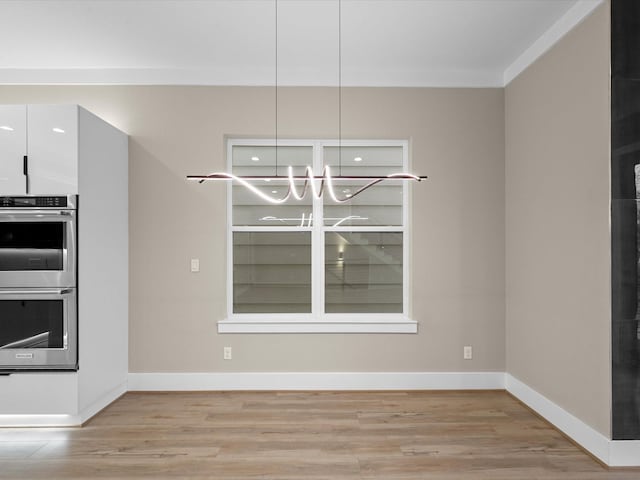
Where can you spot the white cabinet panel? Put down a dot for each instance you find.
(13, 148)
(52, 147)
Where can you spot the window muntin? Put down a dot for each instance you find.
(382, 294)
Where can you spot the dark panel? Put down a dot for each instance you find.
(625, 38)
(625, 217)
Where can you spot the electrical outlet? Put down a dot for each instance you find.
(227, 353)
(468, 352)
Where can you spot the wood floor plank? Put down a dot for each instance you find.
(304, 435)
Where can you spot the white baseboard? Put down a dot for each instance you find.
(624, 453)
(317, 381)
(614, 453)
(590, 439)
(102, 402)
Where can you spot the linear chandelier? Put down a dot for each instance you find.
(326, 179)
(309, 179)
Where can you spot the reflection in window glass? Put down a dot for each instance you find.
(31, 324)
(363, 272)
(272, 246)
(380, 205)
(255, 160)
(271, 272)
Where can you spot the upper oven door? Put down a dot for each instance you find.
(37, 248)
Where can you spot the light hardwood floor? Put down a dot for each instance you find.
(304, 435)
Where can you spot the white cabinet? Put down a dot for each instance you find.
(13, 148)
(72, 151)
(48, 136)
(52, 149)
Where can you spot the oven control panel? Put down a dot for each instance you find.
(34, 202)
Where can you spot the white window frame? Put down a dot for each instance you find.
(318, 322)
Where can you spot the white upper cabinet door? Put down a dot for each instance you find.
(52, 148)
(13, 148)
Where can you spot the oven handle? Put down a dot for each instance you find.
(62, 291)
(32, 213)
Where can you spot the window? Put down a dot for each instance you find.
(315, 265)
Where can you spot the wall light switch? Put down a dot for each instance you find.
(195, 265)
(468, 352)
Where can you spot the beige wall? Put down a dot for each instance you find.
(557, 223)
(457, 138)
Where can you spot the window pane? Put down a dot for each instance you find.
(363, 272)
(248, 208)
(380, 204)
(272, 272)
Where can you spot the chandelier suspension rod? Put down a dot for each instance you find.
(340, 87)
(276, 83)
(309, 177)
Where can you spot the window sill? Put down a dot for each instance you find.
(330, 324)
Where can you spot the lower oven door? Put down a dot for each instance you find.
(38, 329)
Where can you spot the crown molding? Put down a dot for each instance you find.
(548, 39)
(248, 77)
(485, 78)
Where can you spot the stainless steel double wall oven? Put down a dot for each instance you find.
(38, 283)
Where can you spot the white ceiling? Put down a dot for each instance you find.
(232, 42)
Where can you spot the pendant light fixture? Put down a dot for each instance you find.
(310, 179)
